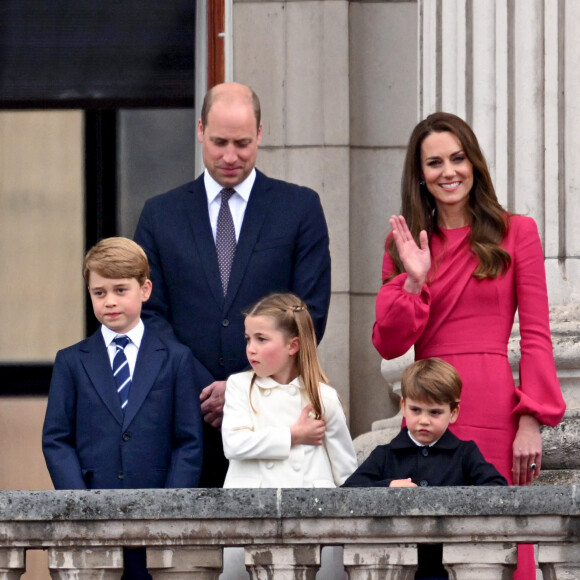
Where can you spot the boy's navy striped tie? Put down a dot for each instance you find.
(121, 370)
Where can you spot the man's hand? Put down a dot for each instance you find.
(212, 400)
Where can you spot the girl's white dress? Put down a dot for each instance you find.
(257, 443)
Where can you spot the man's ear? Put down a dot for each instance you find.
(199, 131)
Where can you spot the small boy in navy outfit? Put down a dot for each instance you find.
(138, 426)
(425, 452)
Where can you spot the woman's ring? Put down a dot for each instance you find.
(533, 466)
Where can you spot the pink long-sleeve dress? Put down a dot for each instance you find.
(467, 322)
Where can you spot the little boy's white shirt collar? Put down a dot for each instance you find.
(135, 334)
(213, 188)
(420, 444)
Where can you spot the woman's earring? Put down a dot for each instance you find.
(421, 183)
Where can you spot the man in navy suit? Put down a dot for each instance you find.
(150, 435)
(282, 245)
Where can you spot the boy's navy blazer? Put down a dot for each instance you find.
(283, 246)
(88, 443)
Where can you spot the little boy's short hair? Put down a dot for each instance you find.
(432, 379)
(117, 258)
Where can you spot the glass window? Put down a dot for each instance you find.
(41, 233)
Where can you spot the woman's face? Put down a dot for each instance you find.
(447, 172)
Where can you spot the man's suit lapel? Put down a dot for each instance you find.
(95, 359)
(152, 353)
(256, 212)
(196, 210)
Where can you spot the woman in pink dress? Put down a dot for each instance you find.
(457, 266)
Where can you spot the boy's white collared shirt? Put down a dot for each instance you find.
(131, 350)
(420, 444)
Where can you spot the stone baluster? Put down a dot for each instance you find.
(185, 562)
(380, 561)
(12, 563)
(559, 561)
(480, 561)
(85, 563)
(293, 562)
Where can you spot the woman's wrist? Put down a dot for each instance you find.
(529, 422)
(413, 286)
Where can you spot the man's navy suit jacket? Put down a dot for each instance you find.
(283, 247)
(88, 443)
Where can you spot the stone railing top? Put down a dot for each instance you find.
(232, 504)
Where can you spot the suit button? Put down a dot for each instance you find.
(296, 466)
(221, 361)
(425, 451)
(424, 483)
(225, 322)
(269, 465)
(121, 475)
(126, 436)
(292, 390)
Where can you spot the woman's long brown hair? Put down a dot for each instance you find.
(488, 220)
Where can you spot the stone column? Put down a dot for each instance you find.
(380, 561)
(559, 561)
(12, 563)
(85, 563)
(480, 561)
(185, 562)
(300, 562)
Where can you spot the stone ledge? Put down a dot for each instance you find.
(272, 504)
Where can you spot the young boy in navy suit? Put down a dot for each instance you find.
(138, 426)
(425, 452)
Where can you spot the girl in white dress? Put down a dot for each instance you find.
(283, 425)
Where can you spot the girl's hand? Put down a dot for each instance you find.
(416, 260)
(527, 451)
(307, 431)
(402, 483)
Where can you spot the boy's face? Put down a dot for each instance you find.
(427, 421)
(117, 301)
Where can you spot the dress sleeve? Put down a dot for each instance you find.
(401, 317)
(241, 438)
(337, 440)
(539, 393)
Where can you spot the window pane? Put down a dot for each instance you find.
(41, 234)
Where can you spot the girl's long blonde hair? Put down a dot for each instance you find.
(293, 320)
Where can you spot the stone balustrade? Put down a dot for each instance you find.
(282, 530)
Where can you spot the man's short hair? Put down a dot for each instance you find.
(432, 380)
(209, 100)
(117, 258)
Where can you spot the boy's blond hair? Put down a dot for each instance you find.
(432, 380)
(117, 258)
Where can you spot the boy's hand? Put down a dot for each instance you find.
(213, 398)
(307, 431)
(402, 483)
